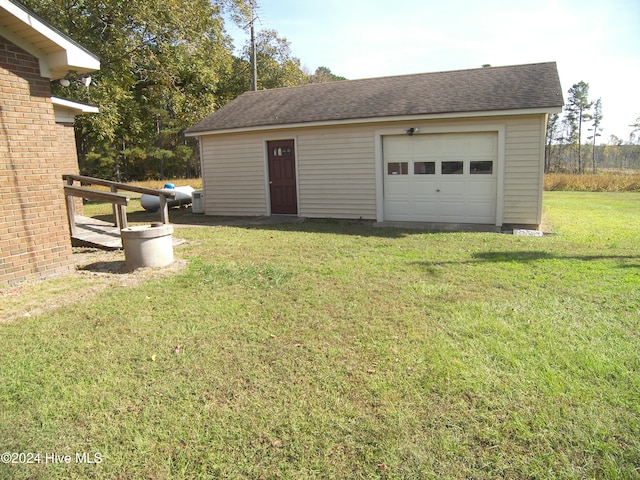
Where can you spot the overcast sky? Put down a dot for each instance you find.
(594, 41)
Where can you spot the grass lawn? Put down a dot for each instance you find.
(338, 350)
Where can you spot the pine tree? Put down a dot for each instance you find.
(596, 117)
(577, 111)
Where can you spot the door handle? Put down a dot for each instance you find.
(270, 182)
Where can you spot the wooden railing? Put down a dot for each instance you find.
(118, 200)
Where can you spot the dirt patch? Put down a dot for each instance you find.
(111, 264)
(95, 271)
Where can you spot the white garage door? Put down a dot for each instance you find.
(449, 177)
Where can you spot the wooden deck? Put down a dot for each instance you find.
(91, 232)
(94, 233)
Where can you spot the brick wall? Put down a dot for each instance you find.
(34, 153)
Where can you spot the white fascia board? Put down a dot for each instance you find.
(72, 59)
(67, 57)
(78, 108)
(407, 118)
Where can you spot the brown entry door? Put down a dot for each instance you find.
(282, 177)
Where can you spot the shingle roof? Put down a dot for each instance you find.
(518, 87)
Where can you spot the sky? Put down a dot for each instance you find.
(593, 41)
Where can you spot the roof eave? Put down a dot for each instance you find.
(77, 108)
(58, 55)
(404, 118)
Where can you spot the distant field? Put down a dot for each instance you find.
(600, 182)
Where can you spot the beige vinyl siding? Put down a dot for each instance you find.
(336, 167)
(336, 172)
(233, 172)
(522, 172)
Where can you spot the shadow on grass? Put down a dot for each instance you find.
(625, 261)
(520, 257)
(117, 266)
(366, 228)
(525, 257)
(181, 216)
(184, 217)
(357, 228)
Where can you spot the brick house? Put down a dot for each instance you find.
(37, 144)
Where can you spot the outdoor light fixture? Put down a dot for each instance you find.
(411, 131)
(73, 76)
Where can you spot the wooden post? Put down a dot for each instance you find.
(121, 216)
(164, 209)
(71, 214)
(71, 210)
(117, 211)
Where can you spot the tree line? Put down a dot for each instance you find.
(164, 66)
(572, 135)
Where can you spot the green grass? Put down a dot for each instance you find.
(338, 350)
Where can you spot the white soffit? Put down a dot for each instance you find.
(58, 55)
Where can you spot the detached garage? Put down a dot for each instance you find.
(463, 147)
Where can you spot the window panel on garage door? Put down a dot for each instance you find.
(424, 168)
(441, 177)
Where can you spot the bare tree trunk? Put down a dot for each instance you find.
(580, 142)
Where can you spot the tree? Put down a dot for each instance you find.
(553, 136)
(161, 63)
(612, 151)
(324, 75)
(164, 66)
(635, 133)
(577, 111)
(277, 67)
(596, 117)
